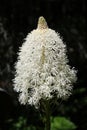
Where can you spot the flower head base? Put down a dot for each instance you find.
(42, 68)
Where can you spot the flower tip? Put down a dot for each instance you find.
(42, 24)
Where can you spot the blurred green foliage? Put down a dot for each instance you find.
(57, 123)
(62, 123)
(21, 124)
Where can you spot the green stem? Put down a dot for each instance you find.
(47, 121)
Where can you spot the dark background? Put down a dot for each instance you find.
(17, 19)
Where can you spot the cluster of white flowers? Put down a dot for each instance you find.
(42, 68)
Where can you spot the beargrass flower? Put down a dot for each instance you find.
(42, 68)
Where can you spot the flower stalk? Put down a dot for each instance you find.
(47, 116)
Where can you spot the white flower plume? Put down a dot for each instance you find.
(42, 67)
